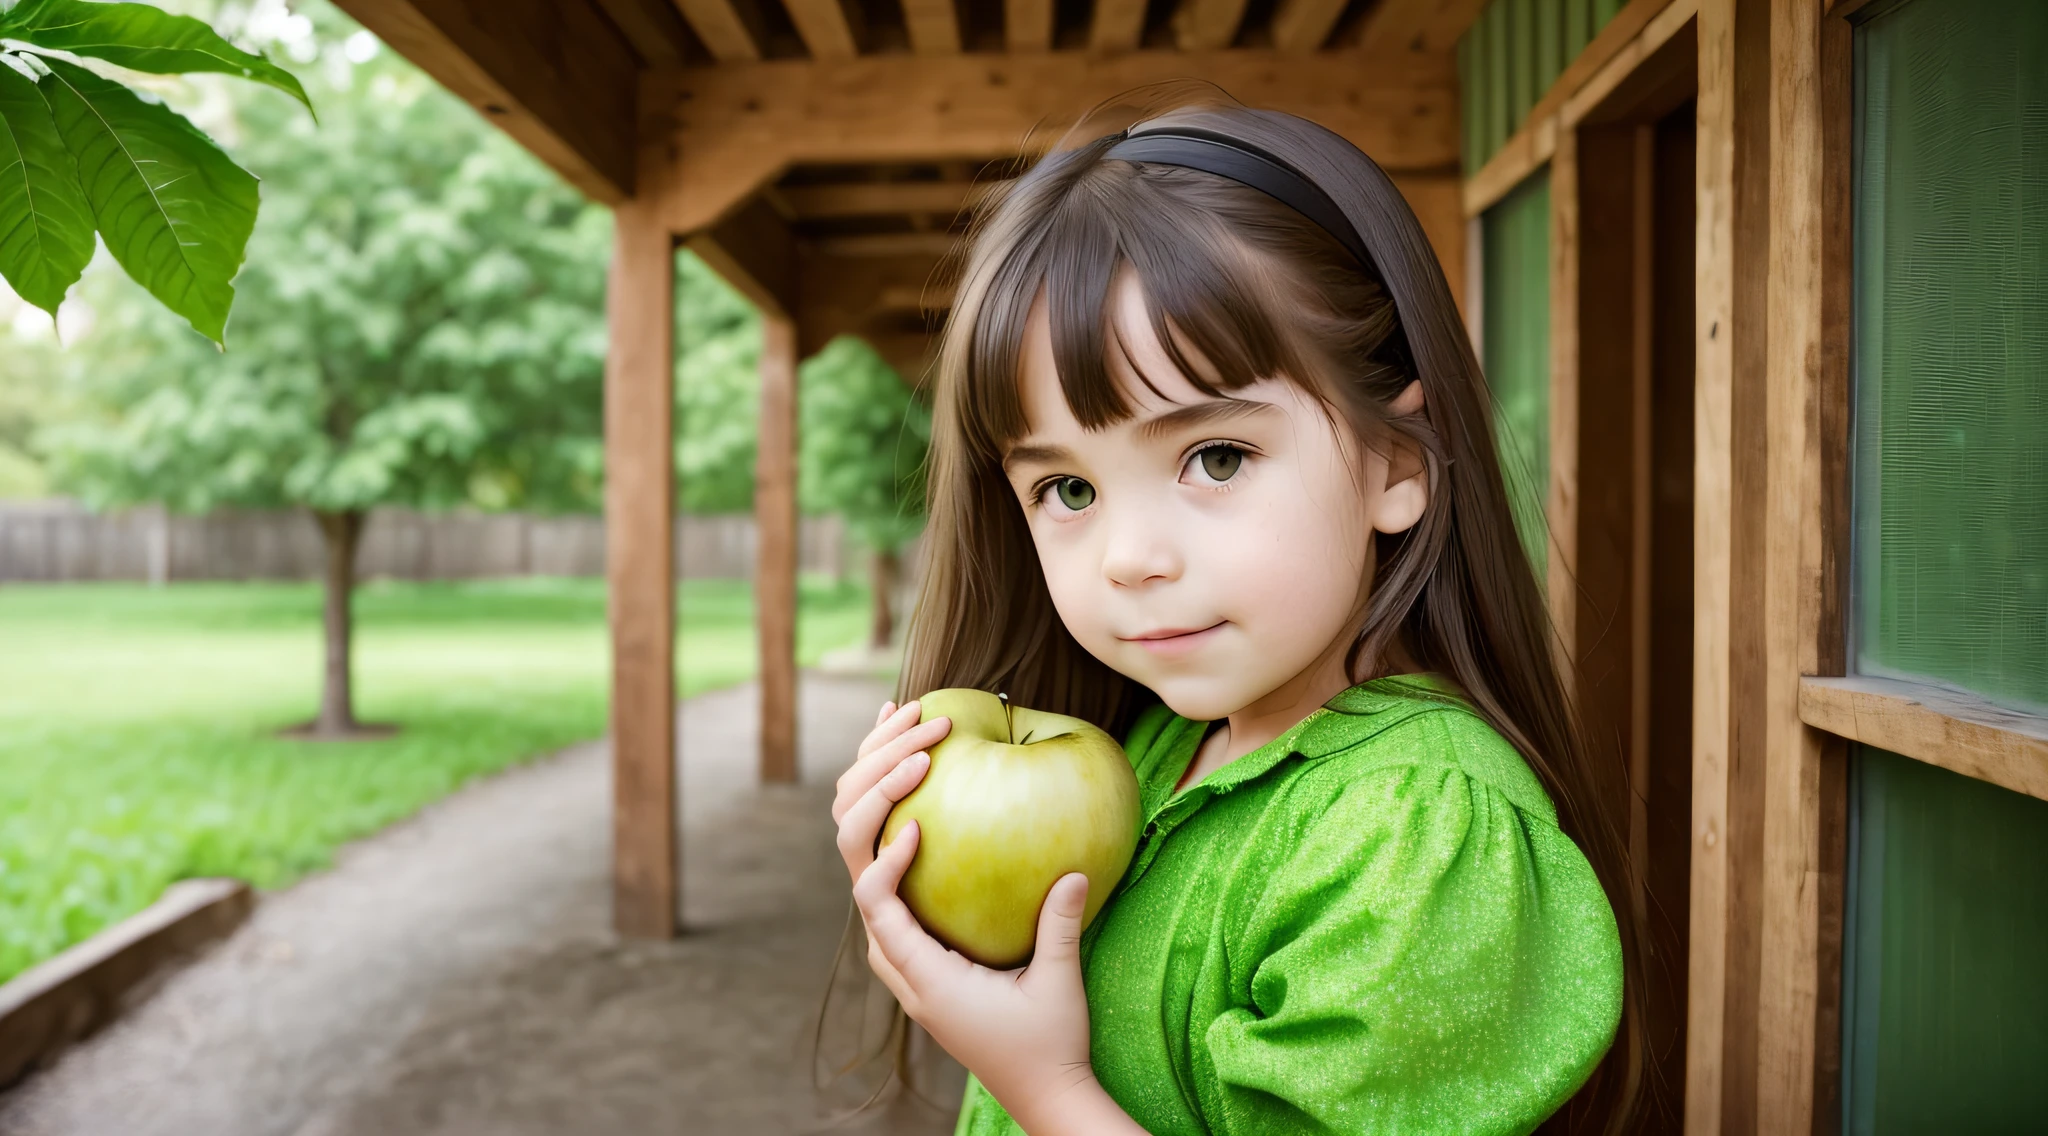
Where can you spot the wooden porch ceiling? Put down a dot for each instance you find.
(750, 90)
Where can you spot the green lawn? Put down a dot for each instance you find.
(138, 726)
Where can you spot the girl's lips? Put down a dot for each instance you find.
(1175, 640)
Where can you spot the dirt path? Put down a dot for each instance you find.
(455, 974)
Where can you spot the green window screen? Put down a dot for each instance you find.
(1945, 960)
(1951, 349)
(1515, 308)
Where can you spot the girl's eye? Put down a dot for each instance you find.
(1074, 493)
(1219, 463)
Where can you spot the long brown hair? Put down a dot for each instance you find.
(1253, 289)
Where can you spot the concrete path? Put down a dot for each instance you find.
(455, 973)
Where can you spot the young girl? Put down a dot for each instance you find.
(1212, 467)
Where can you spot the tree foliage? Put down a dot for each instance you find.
(81, 153)
(420, 324)
(863, 437)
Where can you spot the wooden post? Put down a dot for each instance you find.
(1806, 548)
(639, 403)
(1731, 268)
(775, 564)
(1561, 495)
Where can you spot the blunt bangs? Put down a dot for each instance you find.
(1216, 304)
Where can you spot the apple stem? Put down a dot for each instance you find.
(1009, 721)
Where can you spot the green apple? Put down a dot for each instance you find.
(1014, 799)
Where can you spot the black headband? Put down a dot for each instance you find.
(1246, 164)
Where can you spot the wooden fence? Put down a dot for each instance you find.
(58, 541)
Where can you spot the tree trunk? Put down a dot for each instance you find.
(340, 533)
(882, 578)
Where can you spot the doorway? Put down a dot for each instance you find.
(1632, 615)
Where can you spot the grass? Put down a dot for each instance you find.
(138, 726)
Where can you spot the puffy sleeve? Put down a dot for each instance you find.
(1429, 956)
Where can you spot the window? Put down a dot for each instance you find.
(1945, 992)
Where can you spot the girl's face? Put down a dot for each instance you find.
(1216, 550)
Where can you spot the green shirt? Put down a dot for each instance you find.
(1370, 924)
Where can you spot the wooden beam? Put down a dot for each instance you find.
(888, 245)
(653, 27)
(639, 518)
(1647, 77)
(1207, 25)
(1511, 165)
(1027, 25)
(933, 26)
(826, 27)
(775, 559)
(881, 198)
(1302, 25)
(754, 251)
(732, 34)
(735, 127)
(1730, 455)
(1959, 732)
(1117, 25)
(558, 78)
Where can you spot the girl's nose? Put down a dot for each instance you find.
(1139, 550)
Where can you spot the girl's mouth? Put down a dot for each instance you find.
(1171, 641)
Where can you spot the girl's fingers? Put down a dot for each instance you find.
(863, 821)
(888, 726)
(884, 970)
(902, 941)
(871, 768)
(887, 709)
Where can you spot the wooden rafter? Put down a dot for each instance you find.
(1027, 25)
(742, 124)
(826, 26)
(1417, 25)
(1303, 25)
(725, 28)
(571, 104)
(934, 27)
(1116, 25)
(873, 199)
(1205, 25)
(653, 27)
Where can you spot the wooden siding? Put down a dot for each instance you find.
(1509, 58)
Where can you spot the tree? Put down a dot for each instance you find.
(718, 392)
(863, 436)
(82, 153)
(421, 323)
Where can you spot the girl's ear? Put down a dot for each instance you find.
(1406, 494)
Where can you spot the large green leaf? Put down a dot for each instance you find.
(141, 38)
(45, 223)
(173, 209)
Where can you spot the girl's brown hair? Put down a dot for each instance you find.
(1251, 289)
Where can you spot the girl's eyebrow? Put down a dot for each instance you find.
(1037, 455)
(1202, 413)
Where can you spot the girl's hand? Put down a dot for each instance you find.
(1023, 1033)
(889, 764)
